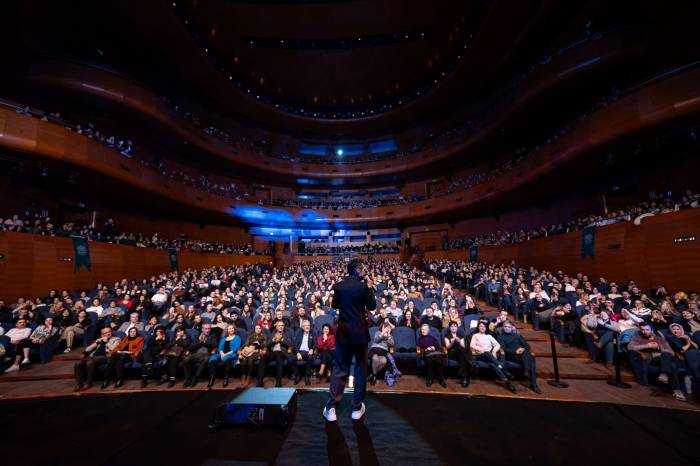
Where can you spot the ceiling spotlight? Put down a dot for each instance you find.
(339, 152)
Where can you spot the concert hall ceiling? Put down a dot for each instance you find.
(330, 69)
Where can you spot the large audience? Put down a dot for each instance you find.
(637, 212)
(654, 328)
(40, 223)
(261, 322)
(122, 145)
(311, 249)
(219, 320)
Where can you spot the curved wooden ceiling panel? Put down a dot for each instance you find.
(652, 105)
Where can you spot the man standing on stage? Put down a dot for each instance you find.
(353, 297)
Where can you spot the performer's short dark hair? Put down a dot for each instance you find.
(353, 265)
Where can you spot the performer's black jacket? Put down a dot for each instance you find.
(353, 298)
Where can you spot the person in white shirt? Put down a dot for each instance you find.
(485, 348)
(394, 310)
(538, 291)
(159, 298)
(96, 307)
(19, 338)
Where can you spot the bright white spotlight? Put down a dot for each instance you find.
(339, 152)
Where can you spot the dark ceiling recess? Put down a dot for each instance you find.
(352, 71)
(375, 40)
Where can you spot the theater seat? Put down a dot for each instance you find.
(405, 347)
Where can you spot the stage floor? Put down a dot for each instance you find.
(398, 430)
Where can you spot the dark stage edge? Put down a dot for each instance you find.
(399, 429)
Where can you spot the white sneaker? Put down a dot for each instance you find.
(358, 413)
(12, 368)
(329, 414)
(677, 394)
(67, 350)
(663, 378)
(351, 382)
(25, 361)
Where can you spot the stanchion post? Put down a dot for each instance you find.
(617, 381)
(556, 382)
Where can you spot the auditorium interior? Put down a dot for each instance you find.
(184, 184)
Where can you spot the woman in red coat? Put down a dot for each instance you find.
(326, 350)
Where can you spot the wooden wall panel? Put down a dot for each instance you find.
(646, 254)
(33, 264)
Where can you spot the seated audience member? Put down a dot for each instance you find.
(266, 321)
(409, 320)
(381, 344)
(564, 321)
(628, 325)
(41, 335)
(279, 315)
(227, 353)
(237, 321)
(178, 322)
(485, 348)
(540, 309)
(516, 349)
(278, 350)
(111, 316)
(159, 300)
(685, 348)
(431, 319)
(209, 314)
(219, 325)
(690, 324)
(198, 355)
(152, 324)
(659, 321)
(95, 354)
(175, 352)
(77, 327)
(604, 327)
(325, 345)
(303, 349)
(457, 350)
(196, 324)
(497, 322)
(383, 317)
(153, 357)
(133, 322)
(654, 349)
(128, 350)
(19, 339)
(96, 307)
(427, 347)
(437, 312)
(253, 352)
(640, 310)
(300, 317)
(452, 315)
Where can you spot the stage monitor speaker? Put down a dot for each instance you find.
(260, 407)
